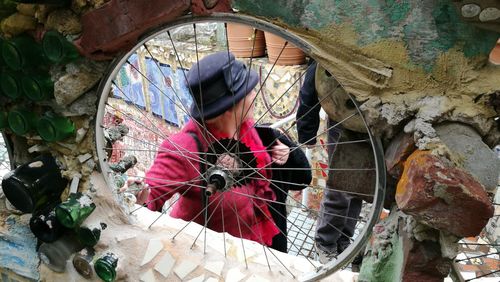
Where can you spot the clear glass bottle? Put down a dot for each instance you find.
(75, 210)
(105, 267)
(55, 128)
(58, 49)
(34, 185)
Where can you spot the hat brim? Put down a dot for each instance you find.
(224, 103)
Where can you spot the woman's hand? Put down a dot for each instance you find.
(279, 153)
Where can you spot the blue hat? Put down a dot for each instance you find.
(217, 83)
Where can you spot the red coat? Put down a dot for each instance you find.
(230, 211)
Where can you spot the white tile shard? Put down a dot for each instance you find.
(154, 247)
(234, 275)
(198, 279)
(184, 268)
(215, 267)
(165, 265)
(257, 278)
(148, 276)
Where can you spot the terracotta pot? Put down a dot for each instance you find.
(291, 55)
(495, 54)
(241, 41)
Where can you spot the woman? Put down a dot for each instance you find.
(222, 89)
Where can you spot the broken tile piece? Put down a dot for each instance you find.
(154, 247)
(184, 268)
(148, 276)
(215, 267)
(198, 279)
(165, 265)
(234, 275)
(124, 236)
(84, 158)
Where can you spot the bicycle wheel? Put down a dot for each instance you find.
(144, 101)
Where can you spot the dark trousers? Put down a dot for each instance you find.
(336, 221)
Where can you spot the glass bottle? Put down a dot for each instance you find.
(10, 84)
(105, 267)
(55, 128)
(34, 185)
(37, 87)
(82, 261)
(3, 120)
(58, 49)
(89, 235)
(22, 52)
(45, 226)
(75, 210)
(21, 121)
(56, 254)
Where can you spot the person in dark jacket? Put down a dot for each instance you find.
(284, 180)
(335, 225)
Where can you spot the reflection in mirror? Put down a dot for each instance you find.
(199, 126)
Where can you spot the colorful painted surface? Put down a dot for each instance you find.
(427, 28)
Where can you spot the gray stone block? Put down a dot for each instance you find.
(475, 156)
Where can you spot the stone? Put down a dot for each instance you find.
(184, 268)
(83, 158)
(16, 24)
(78, 80)
(116, 25)
(383, 260)
(64, 21)
(205, 7)
(470, 10)
(396, 153)
(84, 105)
(165, 265)
(424, 263)
(154, 247)
(474, 155)
(26, 9)
(489, 14)
(442, 196)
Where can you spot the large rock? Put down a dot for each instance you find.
(117, 24)
(474, 155)
(442, 196)
(77, 80)
(424, 263)
(396, 153)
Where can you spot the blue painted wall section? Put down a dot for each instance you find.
(428, 28)
(18, 248)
